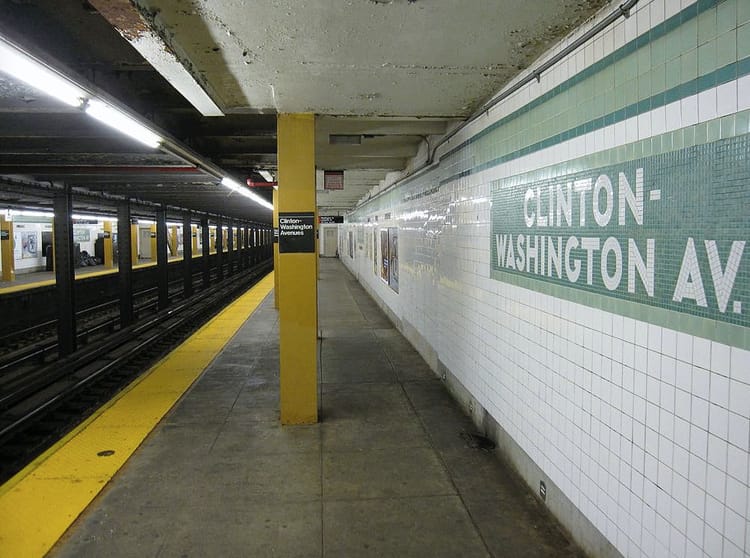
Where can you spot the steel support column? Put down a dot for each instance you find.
(162, 260)
(187, 256)
(154, 244)
(241, 247)
(125, 263)
(206, 245)
(6, 246)
(276, 247)
(219, 249)
(107, 245)
(230, 247)
(134, 252)
(298, 286)
(251, 245)
(65, 272)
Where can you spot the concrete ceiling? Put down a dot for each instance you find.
(389, 74)
(360, 57)
(374, 61)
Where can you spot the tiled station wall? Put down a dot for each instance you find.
(577, 261)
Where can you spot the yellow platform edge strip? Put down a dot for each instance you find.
(40, 502)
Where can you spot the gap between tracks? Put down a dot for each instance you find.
(39, 503)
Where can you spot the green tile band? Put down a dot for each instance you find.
(723, 75)
(657, 32)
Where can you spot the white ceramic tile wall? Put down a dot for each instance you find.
(645, 429)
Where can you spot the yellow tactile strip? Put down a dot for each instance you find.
(39, 504)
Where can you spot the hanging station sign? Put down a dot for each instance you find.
(331, 219)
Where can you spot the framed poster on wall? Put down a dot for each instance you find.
(393, 258)
(384, 256)
(29, 244)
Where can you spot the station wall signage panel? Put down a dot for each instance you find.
(330, 219)
(297, 233)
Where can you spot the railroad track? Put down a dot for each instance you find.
(39, 407)
(39, 342)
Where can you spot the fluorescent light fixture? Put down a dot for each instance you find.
(22, 66)
(122, 122)
(94, 217)
(31, 213)
(51, 215)
(268, 177)
(236, 187)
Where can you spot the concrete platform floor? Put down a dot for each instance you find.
(387, 472)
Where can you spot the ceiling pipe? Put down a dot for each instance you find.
(623, 10)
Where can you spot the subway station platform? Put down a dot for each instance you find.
(390, 470)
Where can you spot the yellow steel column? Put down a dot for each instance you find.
(6, 246)
(53, 243)
(108, 254)
(173, 240)
(133, 243)
(194, 237)
(276, 248)
(153, 242)
(298, 303)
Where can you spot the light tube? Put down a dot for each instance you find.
(235, 187)
(22, 66)
(122, 122)
(51, 215)
(31, 213)
(93, 217)
(266, 175)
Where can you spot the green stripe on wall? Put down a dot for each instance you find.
(721, 332)
(667, 26)
(728, 73)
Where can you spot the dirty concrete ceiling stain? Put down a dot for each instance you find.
(363, 57)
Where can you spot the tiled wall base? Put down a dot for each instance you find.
(588, 537)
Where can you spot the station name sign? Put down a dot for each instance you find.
(296, 233)
(666, 231)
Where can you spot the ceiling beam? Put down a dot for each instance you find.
(124, 16)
